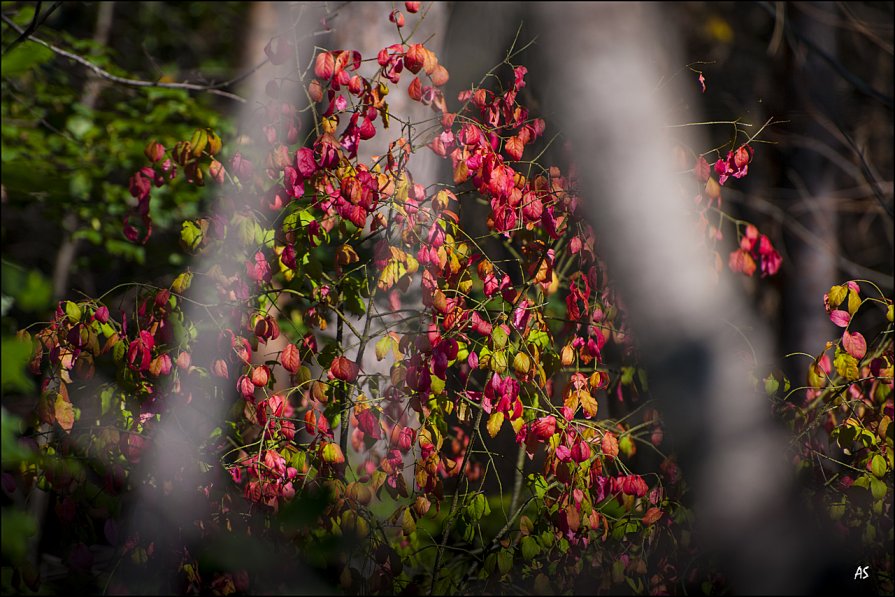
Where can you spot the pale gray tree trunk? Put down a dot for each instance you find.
(605, 91)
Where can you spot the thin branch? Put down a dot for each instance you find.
(213, 89)
(36, 23)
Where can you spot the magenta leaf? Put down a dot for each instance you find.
(840, 318)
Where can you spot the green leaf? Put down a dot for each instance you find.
(15, 357)
(490, 563)
(846, 365)
(383, 346)
(505, 560)
(79, 126)
(105, 398)
(11, 451)
(32, 291)
(539, 338)
(538, 484)
(530, 548)
(118, 350)
(878, 466)
(498, 362)
(191, 235)
(877, 488)
(24, 57)
(80, 185)
(73, 311)
(408, 524)
(16, 528)
(499, 338)
(837, 510)
(477, 507)
(771, 385)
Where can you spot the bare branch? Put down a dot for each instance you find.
(99, 71)
(36, 22)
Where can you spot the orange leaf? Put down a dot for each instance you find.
(439, 76)
(289, 358)
(652, 516)
(415, 91)
(514, 147)
(588, 403)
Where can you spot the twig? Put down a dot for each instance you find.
(448, 523)
(213, 89)
(36, 22)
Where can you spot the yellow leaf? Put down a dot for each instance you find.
(494, 423)
(854, 301)
(837, 294)
(571, 400)
(65, 413)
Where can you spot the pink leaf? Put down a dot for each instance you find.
(840, 318)
(854, 344)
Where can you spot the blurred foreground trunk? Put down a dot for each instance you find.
(605, 91)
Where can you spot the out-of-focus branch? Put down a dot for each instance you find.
(99, 71)
(859, 83)
(854, 270)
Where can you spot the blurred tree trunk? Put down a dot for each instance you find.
(68, 250)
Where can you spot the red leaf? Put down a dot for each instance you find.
(415, 58)
(415, 91)
(304, 162)
(543, 428)
(741, 261)
(652, 516)
(324, 66)
(260, 376)
(344, 369)
(397, 18)
(289, 358)
(854, 344)
(609, 445)
(702, 169)
(840, 318)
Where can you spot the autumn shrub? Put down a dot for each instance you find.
(374, 361)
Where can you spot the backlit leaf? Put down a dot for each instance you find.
(494, 423)
(854, 344)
